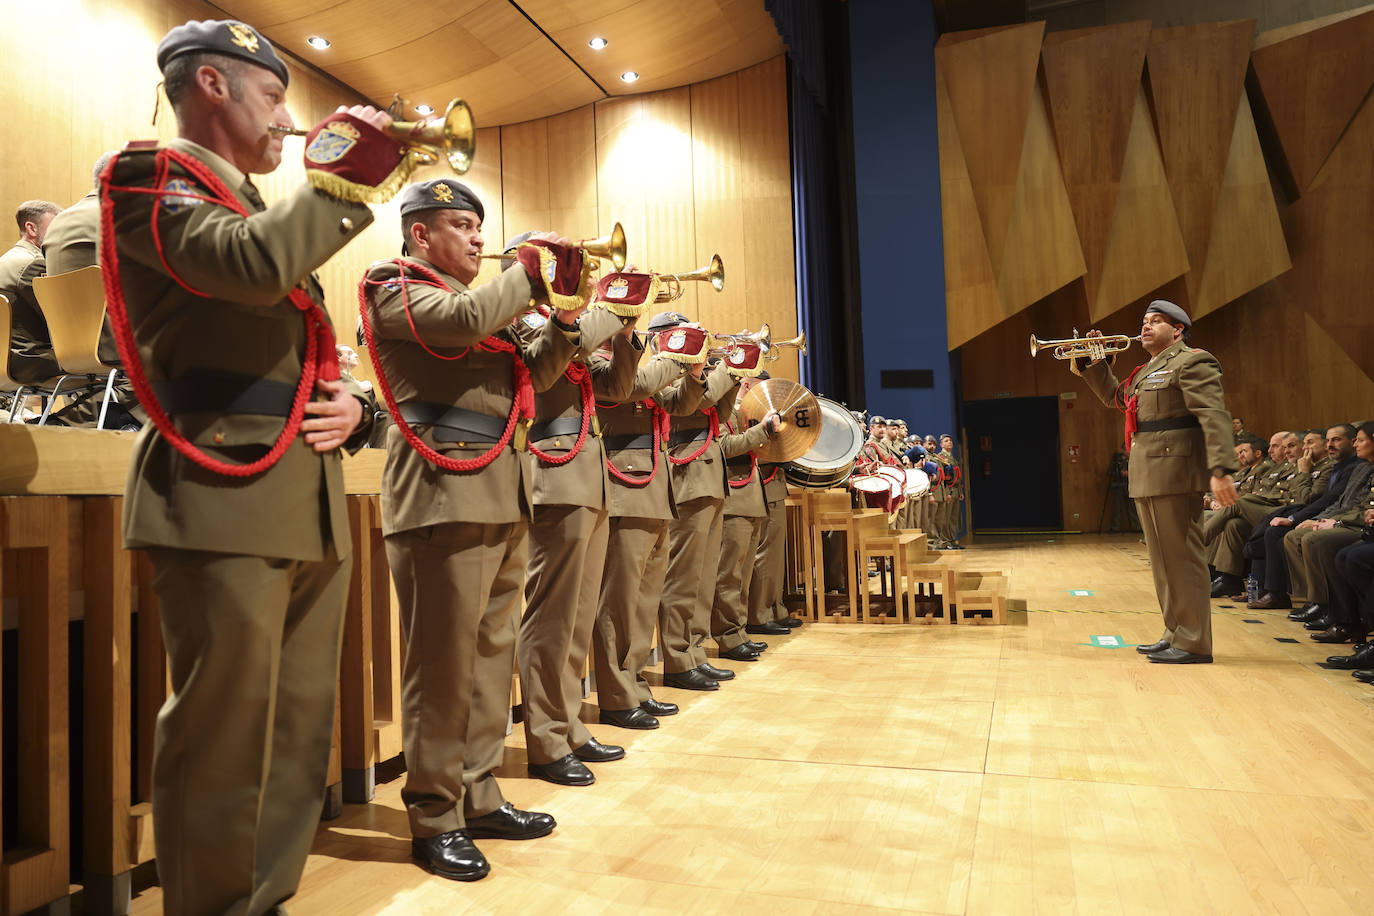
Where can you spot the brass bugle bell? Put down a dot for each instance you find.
(672, 283)
(452, 138)
(611, 247)
(1076, 347)
(797, 343)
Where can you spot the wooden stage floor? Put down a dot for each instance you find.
(944, 770)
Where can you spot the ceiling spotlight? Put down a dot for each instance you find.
(629, 76)
(318, 43)
(597, 43)
(424, 109)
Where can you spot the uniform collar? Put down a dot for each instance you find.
(453, 282)
(28, 246)
(226, 170)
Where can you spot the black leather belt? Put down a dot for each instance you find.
(455, 424)
(617, 443)
(563, 426)
(216, 391)
(683, 436)
(1154, 426)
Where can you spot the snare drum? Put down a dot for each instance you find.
(917, 483)
(831, 459)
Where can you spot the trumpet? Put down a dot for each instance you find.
(1093, 348)
(452, 138)
(672, 283)
(774, 350)
(761, 337)
(610, 247)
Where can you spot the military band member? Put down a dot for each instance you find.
(954, 493)
(215, 309)
(1177, 438)
(457, 492)
(568, 546)
(768, 616)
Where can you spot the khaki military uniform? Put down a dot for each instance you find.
(637, 548)
(251, 573)
(457, 541)
(940, 490)
(1311, 553)
(770, 558)
(568, 539)
(1225, 530)
(743, 518)
(1305, 486)
(1183, 436)
(954, 491)
(30, 348)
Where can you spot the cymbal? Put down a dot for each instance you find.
(798, 411)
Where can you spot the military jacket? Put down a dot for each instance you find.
(1254, 477)
(1355, 498)
(71, 243)
(241, 332)
(704, 476)
(415, 492)
(30, 348)
(627, 429)
(744, 487)
(1177, 383)
(1305, 486)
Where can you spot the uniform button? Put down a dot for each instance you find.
(629, 467)
(462, 445)
(219, 438)
(558, 443)
(345, 225)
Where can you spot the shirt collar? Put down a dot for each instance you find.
(222, 167)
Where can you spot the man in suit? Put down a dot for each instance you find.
(456, 499)
(30, 347)
(1179, 445)
(249, 541)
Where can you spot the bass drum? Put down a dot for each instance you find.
(831, 459)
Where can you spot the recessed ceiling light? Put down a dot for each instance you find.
(318, 43)
(597, 43)
(629, 76)
(424, 109)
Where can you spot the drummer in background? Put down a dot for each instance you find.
(768, 615)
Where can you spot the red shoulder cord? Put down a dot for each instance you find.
(958, 475)
(581, 376)
(712, 433)
(522, 405)
(1132, 405)
(753, 467)
(769, 479)
(319, 362)
(658, 422)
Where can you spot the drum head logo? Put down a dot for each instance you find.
(677, 340)
(332, 143)
(619, 288)
(803, 417)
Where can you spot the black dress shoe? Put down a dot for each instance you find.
(566, 771)
(1337, 633)
(741, 653)
(658, 708)
(1297, 614)
(510, 823)
(1324, 622)
(1226, 585)
(771, 628)
(451, 855)
(1367, 675)
(596, 752)
(1173, 656)
(756, 645)
(1271, 601)
(714, 673)
(1310, 612)
(628, 718)
(1363, 658)
(790, 622)
(691, 679)
(1153, 647)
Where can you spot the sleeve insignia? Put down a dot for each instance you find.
(180, 195)
(534, 321)
(332, 143)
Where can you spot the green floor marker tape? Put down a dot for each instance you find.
(1108, 642)
(1080, 593)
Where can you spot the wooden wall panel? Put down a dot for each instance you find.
(972, 304)
(718, 203)
(1092, 78)
(1042, 252)
(1145, 249)
(989, 77)
(1196, 77)
(1247, 246)
(1313, 81)
(572, 176)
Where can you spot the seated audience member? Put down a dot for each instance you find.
(1268, 564)
(1352, 600)
(1225, 531)
(1238, 430)
(30, 347)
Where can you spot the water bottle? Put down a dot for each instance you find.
(1251, 589)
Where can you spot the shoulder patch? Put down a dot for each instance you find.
(179, 197)
(534, 321)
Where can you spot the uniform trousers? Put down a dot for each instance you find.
(1312, 560)
(1226, 530)
(623, 637)
(684, 611)
(739, 545)
(459, 588)
(242, 744)
(935, 534)
(1265, 549)
(1173, 535)
(770, 568)
(567, 555)
(1352, 593)
(952, 508)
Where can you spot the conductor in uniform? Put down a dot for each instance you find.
(1178, 437)
(250, 569)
